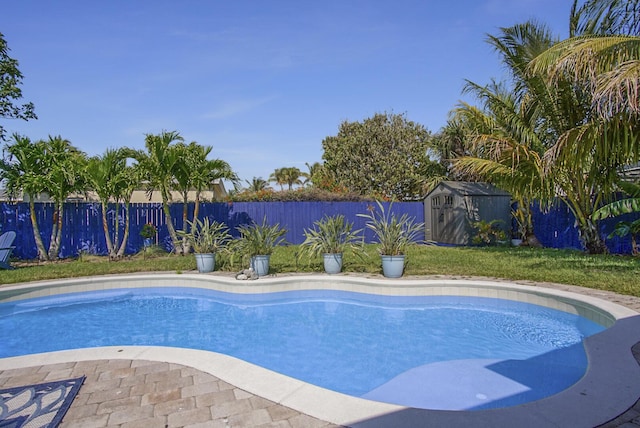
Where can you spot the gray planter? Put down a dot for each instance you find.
(332, 263)
(392, 266)
(206, 262)
(260, 264)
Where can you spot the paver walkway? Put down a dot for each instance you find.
(149, 394)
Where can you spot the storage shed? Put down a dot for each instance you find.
(453, 206)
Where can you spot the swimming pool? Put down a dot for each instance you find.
(486, 352)
(610, 385)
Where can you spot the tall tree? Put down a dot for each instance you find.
(278, 177)
(602, 60)
(197, 173)
(506, 150)
(559, 117)
(257, 184)
(158, 164)
(10, 92)
(52, 166)
(313, 176)
(113, 181)
(384, 156)
(291, 176)
(21, 171)
(63, 175)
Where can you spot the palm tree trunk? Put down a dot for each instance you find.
(105, 228)
(56, 231)
(116, 227)
(42, 253)
(125, 237)
(177, 247)
(185, 216)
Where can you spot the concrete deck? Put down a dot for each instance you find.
(124, 388)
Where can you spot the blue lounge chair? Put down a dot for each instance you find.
(6, 242)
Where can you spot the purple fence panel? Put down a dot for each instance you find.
(556, 228)
(298, 216)
(83, 232)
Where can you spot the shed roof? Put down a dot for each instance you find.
(466, 188)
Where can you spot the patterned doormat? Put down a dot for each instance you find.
(37, 406)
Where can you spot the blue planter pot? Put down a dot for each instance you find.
(205, 262)
(392, 266)
(260, 265)
(332, 263)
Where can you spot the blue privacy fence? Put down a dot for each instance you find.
(82, 228)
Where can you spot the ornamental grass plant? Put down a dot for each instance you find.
(259, 239)
(394, 234)
(331, 235)
(206, 237)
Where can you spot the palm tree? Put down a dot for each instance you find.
(507, 151)
(62, 176)
(21, 171)
(112, 180)
(291, 176)
(158, 164)
(602, 59)
(197, 173)
(557, 112)
(278, 177)
(257, 184)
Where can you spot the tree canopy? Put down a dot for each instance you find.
(10, 92)
(384, 156)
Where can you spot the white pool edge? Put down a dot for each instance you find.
(610, 386)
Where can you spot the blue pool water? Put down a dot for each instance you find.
(406, 350)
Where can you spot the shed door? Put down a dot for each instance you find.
(442, 220)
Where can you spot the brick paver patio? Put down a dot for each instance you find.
(149, 394)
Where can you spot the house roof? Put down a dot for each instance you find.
(466, 188)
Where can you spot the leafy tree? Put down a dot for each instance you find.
(10, 92)
(385, 155)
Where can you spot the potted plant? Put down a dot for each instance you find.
(394, 235)
(257, 241)
(207, 238)
(330, 237)
(148, 232)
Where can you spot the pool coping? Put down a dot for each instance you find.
(610, 386)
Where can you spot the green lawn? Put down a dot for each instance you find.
(613, 273)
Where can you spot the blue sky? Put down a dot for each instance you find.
(262, 81)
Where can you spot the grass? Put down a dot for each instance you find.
(613, 273)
